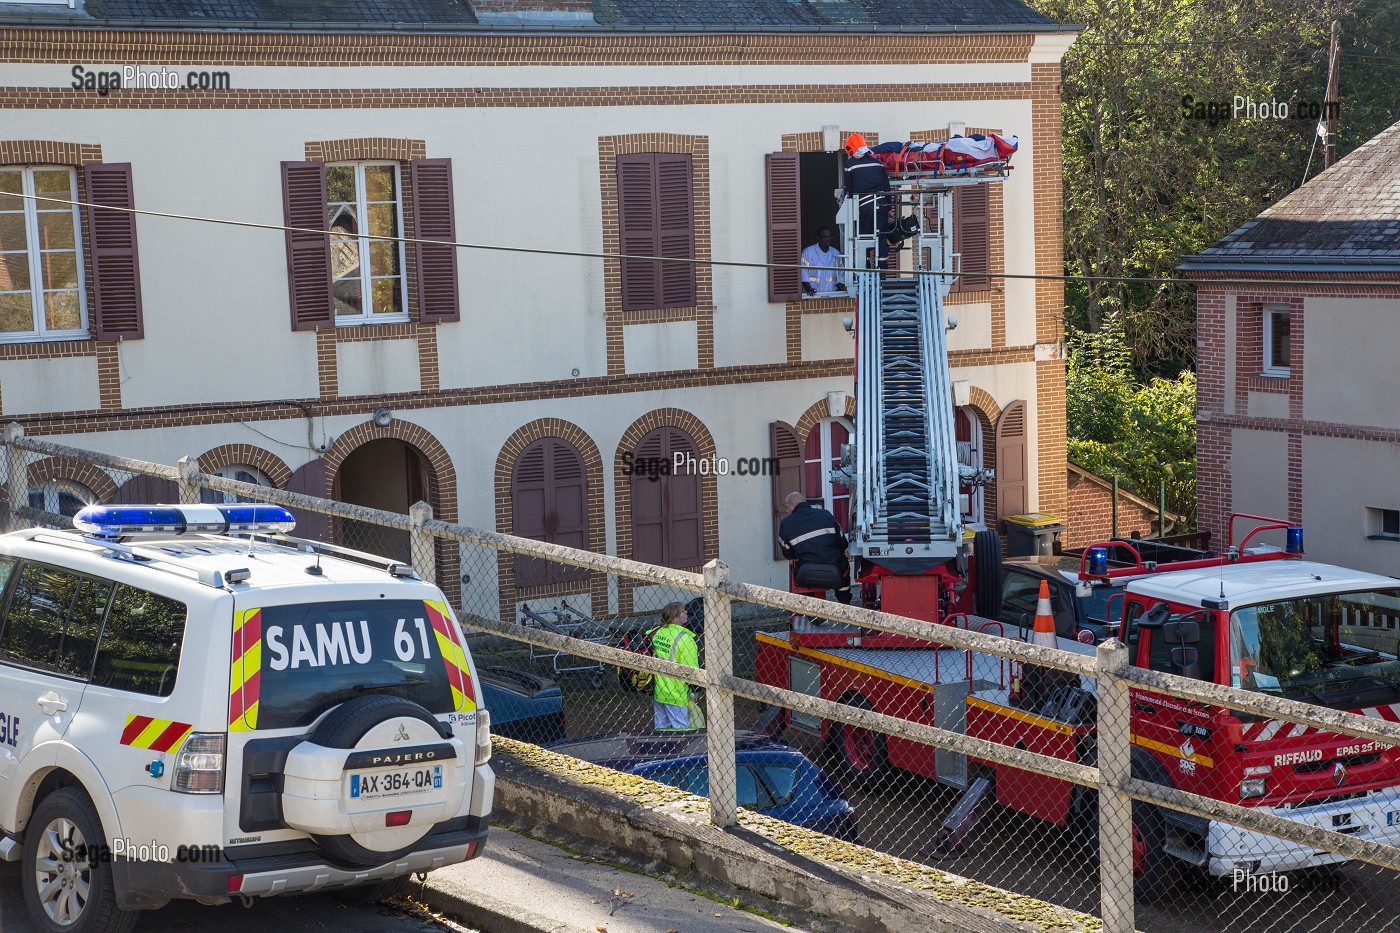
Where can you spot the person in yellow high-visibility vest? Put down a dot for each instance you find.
(673, 642)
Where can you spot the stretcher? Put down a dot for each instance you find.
(961, 155)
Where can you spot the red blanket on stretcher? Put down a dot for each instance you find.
(946, 158)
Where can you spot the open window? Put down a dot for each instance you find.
(801, 201)
(1277, 334)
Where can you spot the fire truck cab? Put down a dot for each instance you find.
(1251, 620)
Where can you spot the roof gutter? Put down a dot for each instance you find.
(1293, 263)
(263, 26)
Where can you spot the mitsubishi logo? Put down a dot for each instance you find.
(402, 736)
(1339, 774)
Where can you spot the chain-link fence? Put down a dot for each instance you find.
(1153, 800)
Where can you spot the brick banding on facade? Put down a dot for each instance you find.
(102, 486)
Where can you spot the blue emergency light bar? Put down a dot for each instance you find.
(119, 521)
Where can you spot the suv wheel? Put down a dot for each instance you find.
(374, 891)
(67, 886)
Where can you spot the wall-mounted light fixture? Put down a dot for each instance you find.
(383, 417)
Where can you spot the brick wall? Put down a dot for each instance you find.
(1091, 511)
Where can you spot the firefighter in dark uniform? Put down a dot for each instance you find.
(809, 534)
(866, 179)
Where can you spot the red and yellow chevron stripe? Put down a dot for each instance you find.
(245, 671)
(453, 657)
(159, 735)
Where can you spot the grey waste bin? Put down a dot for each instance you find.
(1032, 535)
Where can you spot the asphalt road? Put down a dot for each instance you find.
(287, 914)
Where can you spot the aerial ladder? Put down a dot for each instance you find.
(902, 466)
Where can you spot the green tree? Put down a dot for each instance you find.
(1155, 165)
(1142, 432)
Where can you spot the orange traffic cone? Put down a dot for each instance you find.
(1044, 634)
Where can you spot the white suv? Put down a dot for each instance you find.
(193, 705)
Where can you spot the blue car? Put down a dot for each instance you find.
(523, 705)
(774, 778)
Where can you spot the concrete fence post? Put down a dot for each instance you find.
(189, 492)
(18, 469)
(420, 542)
(719, 702)
(1115, 745)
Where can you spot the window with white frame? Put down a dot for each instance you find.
(1383, 524)
(240, 473)
(823, 454)
(41, 260)
(1276, 342)
(364, 199)
(61, 497)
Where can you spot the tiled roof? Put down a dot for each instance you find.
(1347, 216)
(874, 15)
(888, 13)
(370, 12)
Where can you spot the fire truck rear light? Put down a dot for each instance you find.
(235, 883)
(1251, 787)
(1294, 540)
(398, 818)
(1257, 770)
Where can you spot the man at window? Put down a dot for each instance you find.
(821, 272)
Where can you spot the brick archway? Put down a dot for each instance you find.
(102, 486)
(442, 486)
(597, 583)
(816, 414)
(622, 488)
(265, 461)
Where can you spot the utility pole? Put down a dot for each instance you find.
(1334, 67)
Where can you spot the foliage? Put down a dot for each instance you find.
(1147, 182)
(1144, 433)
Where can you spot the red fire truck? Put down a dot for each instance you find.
(1256, 618)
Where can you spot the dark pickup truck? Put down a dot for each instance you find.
(1081, 610)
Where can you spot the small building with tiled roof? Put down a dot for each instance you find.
(1298, 315)
(515, 388)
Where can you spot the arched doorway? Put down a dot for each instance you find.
(384, 473)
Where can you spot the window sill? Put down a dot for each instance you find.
(1383, 537)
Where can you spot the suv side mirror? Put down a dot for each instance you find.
(1181, 632)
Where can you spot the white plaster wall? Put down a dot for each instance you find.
(974, 330)
(68, 384)
(1342, 478)
(372, 368)
(1268, 405)
(1259, 472)
(654, 348)
(825, 338)
(1349, 361)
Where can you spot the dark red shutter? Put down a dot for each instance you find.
(145, 489)
(784, 225)
(648, 501)
(308, 254)
(675, 232)
(972, 236)
(784, 448)
(1012, 490)
(309, 479)
(433, 220)
(549, 503)
(116, 273)
(637, 223)
(685, 538)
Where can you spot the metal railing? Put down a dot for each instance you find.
(624, 596)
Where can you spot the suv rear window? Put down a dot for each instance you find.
(319, 655)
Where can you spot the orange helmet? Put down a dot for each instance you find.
(854, 142)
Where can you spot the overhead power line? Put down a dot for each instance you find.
(585, 254)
